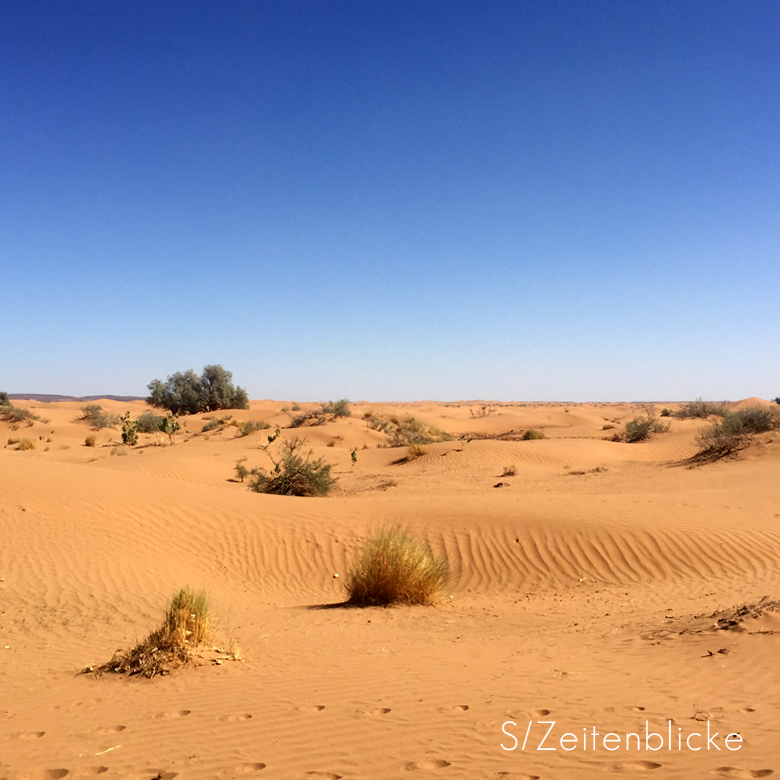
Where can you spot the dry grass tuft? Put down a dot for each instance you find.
(186, 626)
(532, 434)
(26, 444)
(90, 441)
(415, 450)
(395, 568)
(509, 471)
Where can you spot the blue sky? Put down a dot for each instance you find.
(392, 200)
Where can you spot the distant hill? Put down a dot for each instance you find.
(44, 398)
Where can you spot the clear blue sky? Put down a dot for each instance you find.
(392, 200)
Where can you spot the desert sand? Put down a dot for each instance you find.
(585, 590)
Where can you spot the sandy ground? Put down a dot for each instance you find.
(585, 591)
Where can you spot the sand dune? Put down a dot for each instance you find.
(585, 589)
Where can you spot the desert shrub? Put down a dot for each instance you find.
(185, 627)
(11, 441)
(607, 427)
(666, 412)
(509, 471)
(187, 393)
(241, 470)
(642, 428)
(215, 422)
(735, 432)
(700, 409)
(15, 414)
(251, 426)
(406, 431)
(296, 407)
(532, 434)
(26, 444)
(337, 408)
(394, 567)
(4, 399)
(129, 430)
(96, 417)
(756, 419)
(415, 450)
(170, 427)
(776, 400)
(149, 422)
(90, 440)
(293, 474)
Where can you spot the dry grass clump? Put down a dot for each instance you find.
(700, 409)
(90, 441)
(532, 434)
(395, 568)
(251, 426)
(15, 414)
(186, 626)
(26, 444)
(509, 471)
(401, 432)
(95, 417)
(415, 450)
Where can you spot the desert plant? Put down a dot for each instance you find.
(4, 399)
(700, 409)
(642, 428)
(394, 567)
(15, 414)
(293, 474)
(415, 450)
(776, 400)
(509, 471)
(337, 408)
(11, 441)
(532, 434)
(90, 440)
(241, 470)
(296, 407)
(483, 411)
(26, 444)
(666, 412)
(129, 430)
(170, 427)
(402, 432)
(96, 417)
(607, 427)
(185, 627)
(149, 422)
(188, 393)
(251, 426)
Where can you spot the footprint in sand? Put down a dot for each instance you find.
(89, 771)
(311, 708)
(46, 774)
(634, 709)
(235, 718)
(456, 708)
(539, 713)
(249, 766)
(316, 775)
(429, 763)
(176, 714)
(514, 776)
(377, 712)
(740, 774)
(109, 730)
(746, 710)
(29, 735)
(635, 766)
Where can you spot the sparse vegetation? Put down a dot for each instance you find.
(483, 411)
(406, 431)
(294, 474)
(532, 434)
(15, 414)
(90, 440)
(735, 431)
(642, 428)
(97, 418)
(666, 412)
(215, 422)
(187, 393)
(607, 427)
(26, 444)
(241, 470)
(186, 627)
(394, 567)
(149, 422)
(170, 427)
(337, 408)
(251, 426)
(129, 430)
(4, 399)
(700, 409)
(296, 407)
(328, 412)
(509, 471)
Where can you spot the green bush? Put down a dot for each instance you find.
(15, 414)
(735, 432)
(149, 422)
(129, 430)
(337, 408)
(4, 399)
(700, 409)
(293, 474)
(394, 567)
(642, 428)
(188, 393)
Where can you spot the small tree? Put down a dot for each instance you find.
(129, 430)
(4, 399)
(187, 393)
(170, 427)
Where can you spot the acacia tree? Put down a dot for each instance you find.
(187, 393)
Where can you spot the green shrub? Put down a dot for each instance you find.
(241, 470)
(532, 434)
(95, 417)
(337, 408)
(170, 427)
(188, 393)
(642, 428)
(149, 422)
(666, 412)
(129, 430)
(776, 400)
(700, 409)
(15, 414)
(296, 407)
(293, 474)
(4, 399)
(394, 567)
(186, 626)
